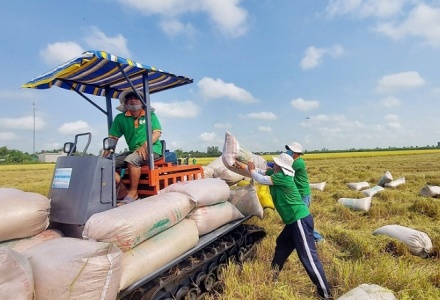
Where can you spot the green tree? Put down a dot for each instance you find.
(179, 152)
(213, 151)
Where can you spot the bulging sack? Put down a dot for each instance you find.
(227, 175)
(16, 279)
(362, 204)
(236, 155)
(22, 214)
(20, 245)
(318, 186)
(264, 196)
(157, 251)
(206, 191)
(418, 242)
(245, 199)
(70, 268)
(430, 191)
(129, 225)
(395, 183)
(357, 186)
(387, 177)
(372, 191)
(209, 218)
(368, 292)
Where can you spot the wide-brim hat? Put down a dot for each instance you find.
(295, 147)
(285, 161)
(122, 99)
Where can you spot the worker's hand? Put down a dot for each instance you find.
(239, 165)
(251, 166)
(142, 151)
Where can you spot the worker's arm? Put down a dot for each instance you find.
(259, 175)
(143, 151)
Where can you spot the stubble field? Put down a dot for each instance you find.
(351, 255)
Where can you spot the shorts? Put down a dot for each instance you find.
(132, 158)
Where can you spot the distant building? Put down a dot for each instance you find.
(50, 157)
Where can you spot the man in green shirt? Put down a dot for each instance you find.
(131, 124)
(298, 231)
(301, 178)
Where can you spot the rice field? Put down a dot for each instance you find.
(351, 254)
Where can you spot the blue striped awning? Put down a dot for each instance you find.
(94, 71)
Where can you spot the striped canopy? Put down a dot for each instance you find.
(94, 71)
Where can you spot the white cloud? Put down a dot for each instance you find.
(214, 89)
(74, 128)
(207, 136)
(230, 17)
(392, 118)
(175, 28)
(313, 56)
(60, 52)
(226, 15)
(393, 121)
(116, 45)
(365, 8)
(222, 125)
(422, 21)
(8, 136)
(23, 123)
(332, 122)
(185, 109)
(264, 115)
(390, 102)
(304, 105)
(399, 81)
(264, 129)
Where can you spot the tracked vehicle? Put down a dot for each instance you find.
(84, 185)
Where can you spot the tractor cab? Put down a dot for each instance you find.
(83, 185)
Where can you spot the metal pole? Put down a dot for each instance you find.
(33, 149)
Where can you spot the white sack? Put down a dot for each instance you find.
(395, 183)
(318, 186)
(430, 191)
(157, 251)
(368, 292)
(357, 186)
(245, 199)
(387, 177)
(208, 172)
(203, 192)
(20, 245)
(219, 170)
(16, 279)
(418, 242)
(372, 191)
(216, 163)
(209, 218)
(70, 268)
(129, 225)
(22, 214)
(227, 175)
(234, 153)
(362, 204)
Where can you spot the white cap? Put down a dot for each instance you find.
(285, 161)
(295, 147)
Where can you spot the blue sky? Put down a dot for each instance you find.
(335, 74)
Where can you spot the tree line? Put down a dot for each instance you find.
(8, 156)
